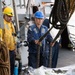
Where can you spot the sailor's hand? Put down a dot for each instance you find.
(60, 45)
(37, 42)
(52, 44)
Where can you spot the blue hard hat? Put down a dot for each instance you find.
(39, 14)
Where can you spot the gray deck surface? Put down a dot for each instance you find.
(66, 58)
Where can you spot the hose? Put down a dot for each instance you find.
(4, 59)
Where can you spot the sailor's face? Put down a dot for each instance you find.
(8, 18)
(38, 21)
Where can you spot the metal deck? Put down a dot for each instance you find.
(66, 58)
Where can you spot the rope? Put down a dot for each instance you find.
(58, 18)
(72, 7)
(59, 14)
(4, 59)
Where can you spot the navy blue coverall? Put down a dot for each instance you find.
(55, 52)
(34, 34)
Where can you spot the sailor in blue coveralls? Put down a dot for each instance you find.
(34, 33)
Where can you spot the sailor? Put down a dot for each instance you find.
(8, 38)
(35, 31)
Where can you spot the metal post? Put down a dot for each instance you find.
(16, 16)
(20, 3)
(24, 3)
(1, 16)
